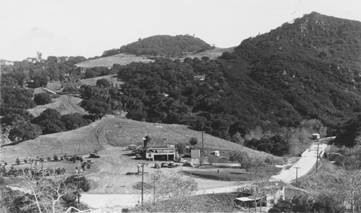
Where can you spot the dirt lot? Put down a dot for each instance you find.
(114, 163)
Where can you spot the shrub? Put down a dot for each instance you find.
(42, 98)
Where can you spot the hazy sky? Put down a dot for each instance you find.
(88, 27)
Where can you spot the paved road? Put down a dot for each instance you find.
(130, 200)
(304, 164)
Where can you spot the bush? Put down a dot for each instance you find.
(42, 98)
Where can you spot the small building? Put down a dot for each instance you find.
(161, 153)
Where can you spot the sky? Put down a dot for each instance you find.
(88, 27)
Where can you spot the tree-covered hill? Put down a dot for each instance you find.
(162, 45)
(304, 70)
(311, 67)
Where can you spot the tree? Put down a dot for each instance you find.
(24, 131)
(42, 98)
(95, 106)
(49, 121)
(193, 141)
(242, 158)
(103, 83)
(180, 147)
(74, 121)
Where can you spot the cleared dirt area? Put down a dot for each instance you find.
(109, 61)
(64, 104)
(115, 131)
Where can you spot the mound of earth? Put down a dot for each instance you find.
(64, 104)
(113, 131)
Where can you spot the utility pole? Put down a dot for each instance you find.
(318, 147)
(155, 178)
(202, 154)
(297, 173)
(142, 192)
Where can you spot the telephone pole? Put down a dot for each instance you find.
(142, 189)
(202, 154)
(318, 147)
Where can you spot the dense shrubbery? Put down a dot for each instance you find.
(42, 98)
(322, 204)
(162, 45)
(24, 131)
(275, 145)
(51, 121)
(96, 71)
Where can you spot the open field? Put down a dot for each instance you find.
(64, 104)
(211, 54)
(114, 131)
(109, 61)
(92, 81)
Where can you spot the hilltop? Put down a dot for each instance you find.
(163, 45)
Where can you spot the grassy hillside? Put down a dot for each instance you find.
(109, 61)
(92, 81)
(111, 131)
(64, 104)
(163, 45)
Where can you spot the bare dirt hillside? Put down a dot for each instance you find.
(113, 131)
(64, 104)
(109, 61)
